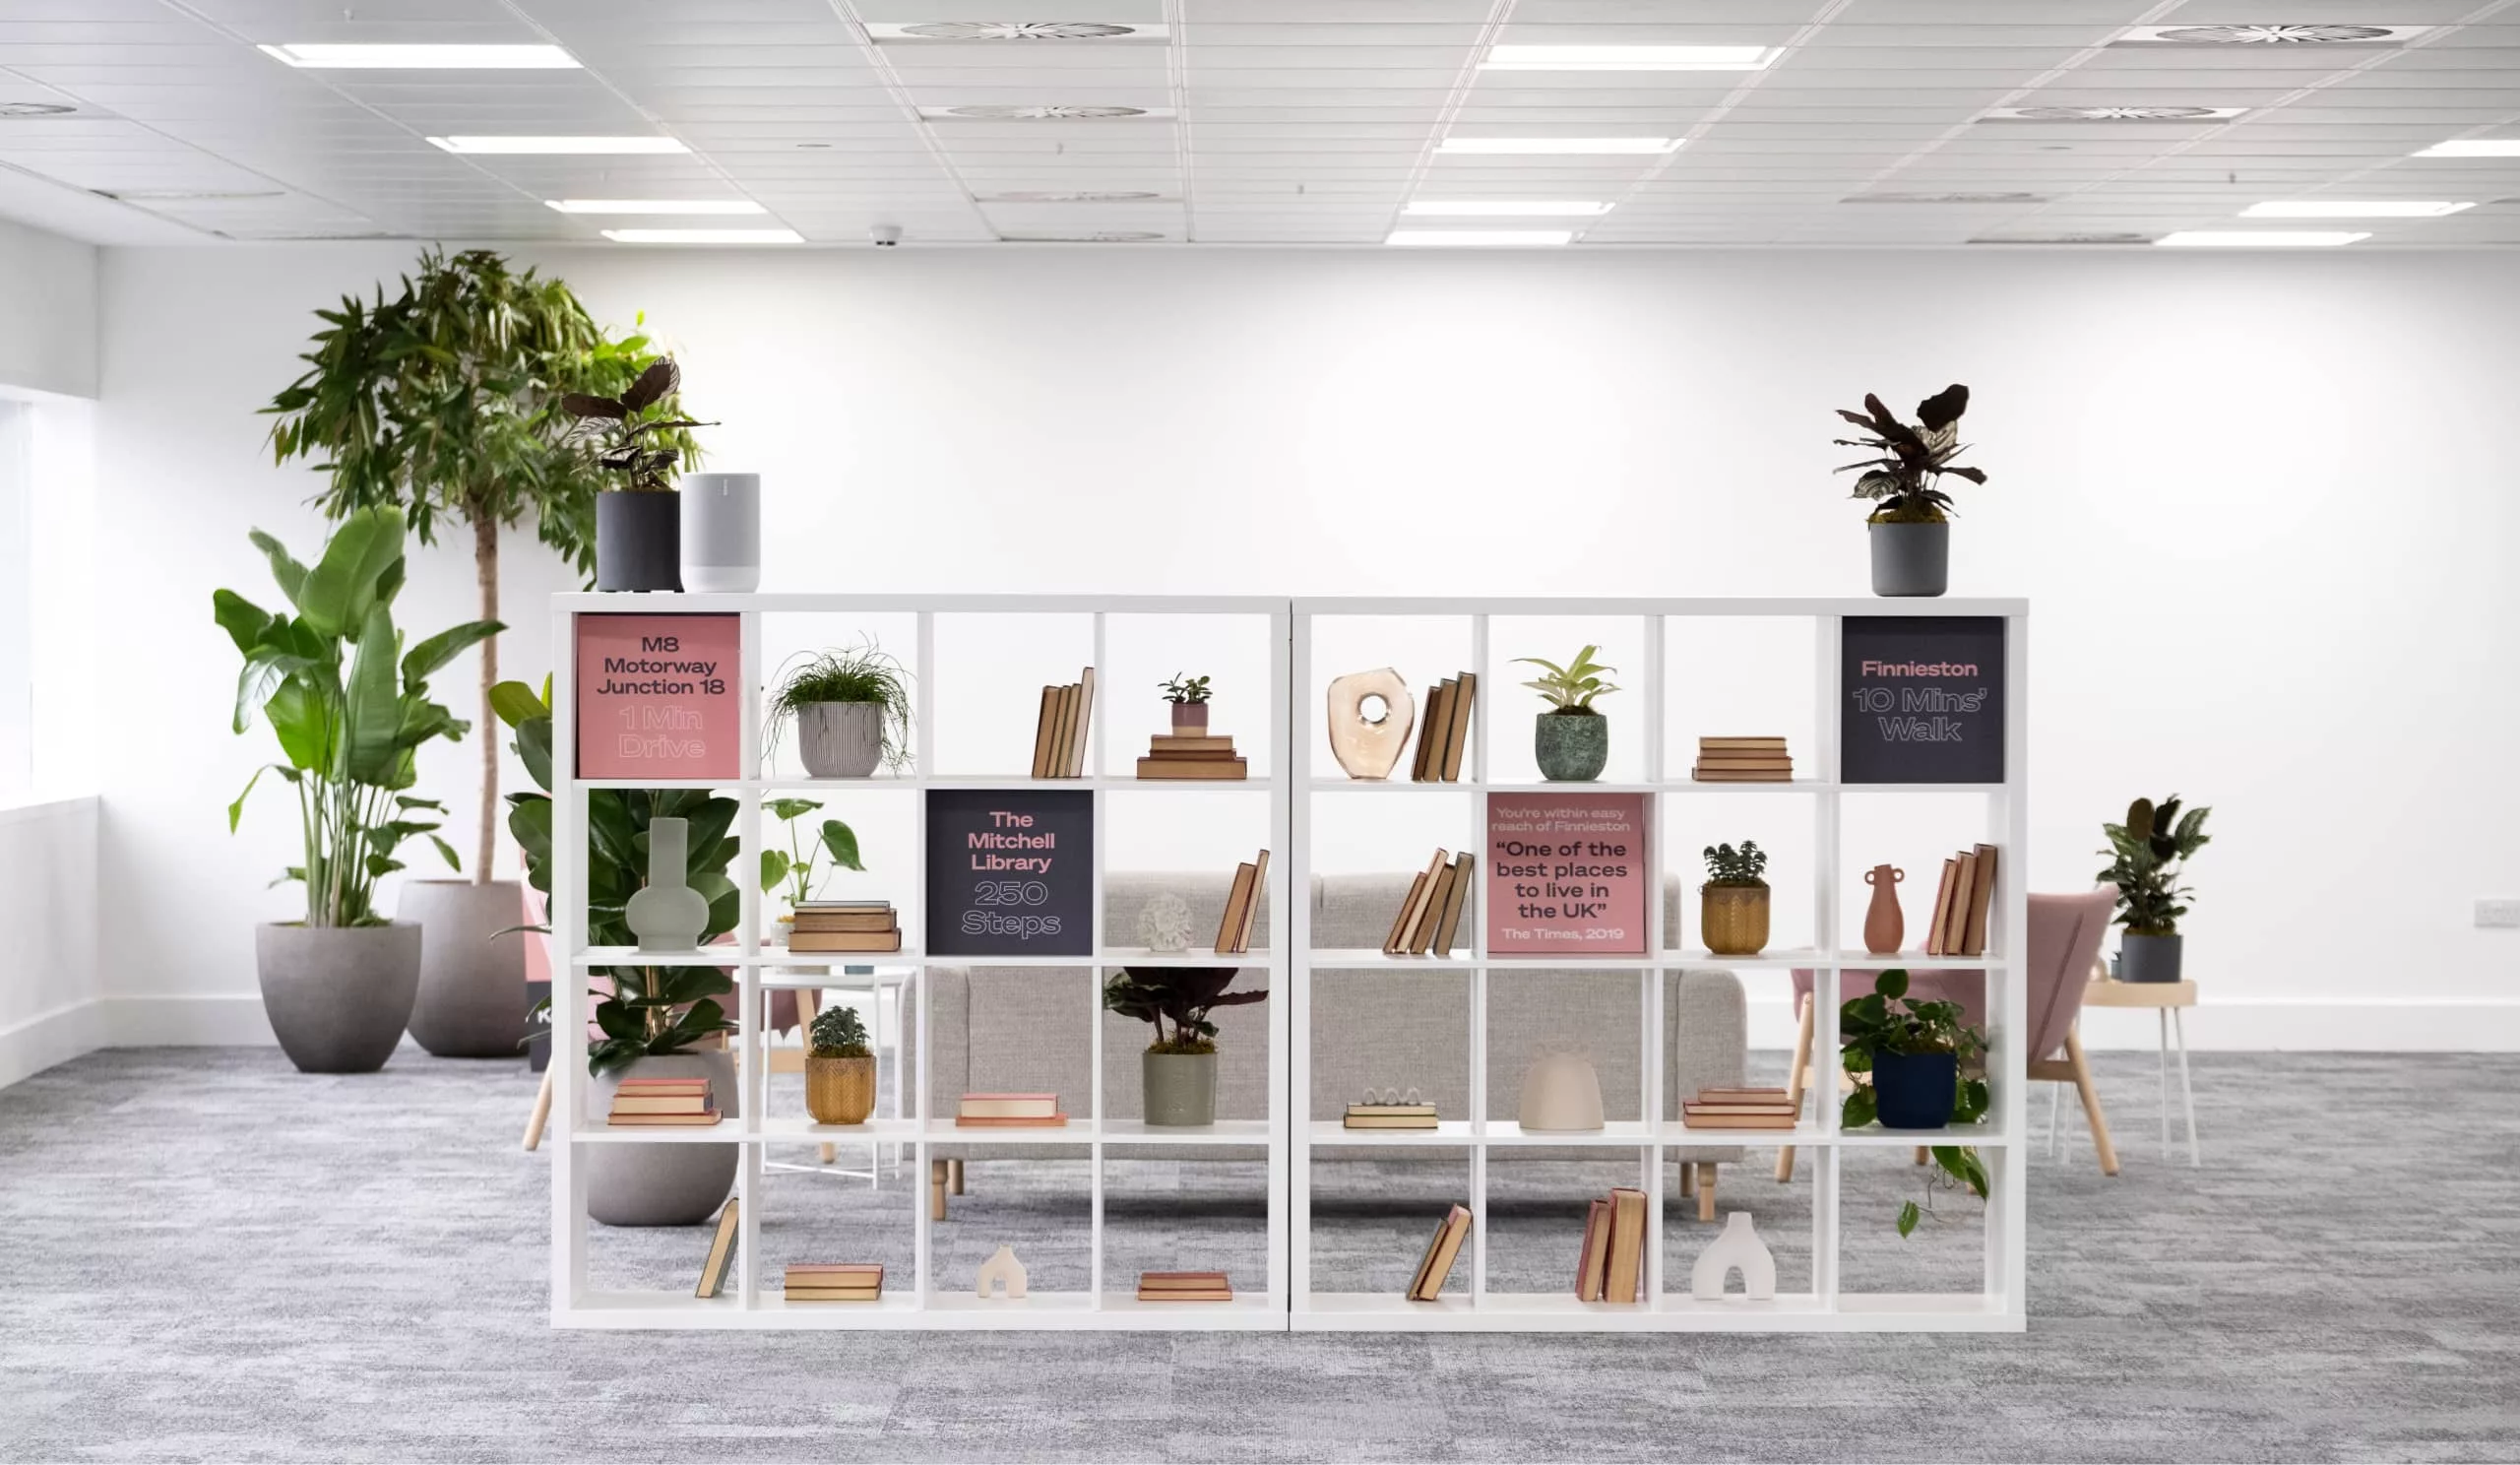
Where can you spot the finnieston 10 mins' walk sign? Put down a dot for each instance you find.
(1924, 699)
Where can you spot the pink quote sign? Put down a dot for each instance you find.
(660, 696)
(1566, 873)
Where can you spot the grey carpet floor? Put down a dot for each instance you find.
(210, 1256)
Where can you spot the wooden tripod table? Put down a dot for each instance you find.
(2167, 999)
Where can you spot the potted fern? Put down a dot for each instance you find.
(1571, 741)
(1189, 698)
(850, 708)
(1733, 903)
(2148, 854)
(840, 1068)
(1179, 1068)
(1911, 538)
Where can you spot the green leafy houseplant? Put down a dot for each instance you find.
(1182, 996)
(1905, 483)
(1571, 688)
(864, 674)
(1182, 690)
(1745, 867)
(839, 1033)
(1886, 1021)
(637, 434)
(350, 705)
(441, 402)
(651, 1011)
(797, 864)
(2148, 854)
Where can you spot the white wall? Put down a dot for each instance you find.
(2259, 502)
(47, 311)
(51, 995)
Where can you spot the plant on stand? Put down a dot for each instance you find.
(637, 440)
(1909, 1059)
(1189, 698)
(2148, 854)
(1571, 741)
(1733, 903)
(851, 710)
(351, 708)
(1910, 536)
(840, 1068)
(1179, 1068)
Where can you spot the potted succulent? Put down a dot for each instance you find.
(1733, 903)
(1571, 741)
(1911, 538)
(2148, 854)
(1917, 1065)
(852, 711)
(350, 705)
(1180, 1066)
(840, 1068)
(1189, 698)
(638, 522)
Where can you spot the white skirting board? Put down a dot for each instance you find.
(31, 1045)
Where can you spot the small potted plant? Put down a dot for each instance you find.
(1733, 903)
(1180, 1066)
(1189, 698)
(800, 866)
(1571, 741)
(852, 711)
(1908, 1060)
(1911, 538)
(639, 437)
(840, 1069)
(2147, 856)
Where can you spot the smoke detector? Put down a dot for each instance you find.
(1002, 111)
(2113, 115)
(1014, 31)
(2265, 35)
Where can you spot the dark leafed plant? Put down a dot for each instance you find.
(1885, 1020)
(839, 1033)
(1748, 866)
(1182, 996)
(2147, 856)
(1905, 482)
(864, 672)
(1572, 687)
(638, 437)
(1183, 689)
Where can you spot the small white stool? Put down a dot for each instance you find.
(2167, 999)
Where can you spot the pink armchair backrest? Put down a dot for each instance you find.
(2065, 933)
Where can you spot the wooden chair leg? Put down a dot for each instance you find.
(1706, 1190)
(541, 1114)
(935, 1189)
(1689, 1178)
(954, 1176)
(2090, 1092)
(1795, 1084)
(1921, 1155)
(830, 1153)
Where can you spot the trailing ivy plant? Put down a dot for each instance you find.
(1905, 483)
(1572, 687)
(1748, 866)
(1886, 1020)
(839, 1033)
(863, 672)
(797, 863)
(2148, 855)
(1182, 996)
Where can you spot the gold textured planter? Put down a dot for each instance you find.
(1732, 920)
(840, 1091)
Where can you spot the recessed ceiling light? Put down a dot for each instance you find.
(1945, 198)
(529, 145)
(1474, 239)
(9, 110)
(704, 236)
(187, 195)
(2276, 36)
(2474, 147)
(654, 206)
(2113, 115)
(1559, 146)
(1503, 209)
(2258, 238)
(2347, 209)
(1002, 111)
(1014, 31)
(422, 57)
(1628, 58)
(1074, 195)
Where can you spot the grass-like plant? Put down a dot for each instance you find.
(839, 1033)
(1885, 1020)
(1572, 687)
(864, 672)
(1184, 688)
(1905, 483)
(1746, 866)
(1181, 995)
(2148, 854)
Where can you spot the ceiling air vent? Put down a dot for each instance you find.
(1100, 236)
(14, 111)
(2093, 238)
(1014, 31)
(2275, 35)
(1002, 111)
(1945, 198)
(2113, 115)
(1095, 196)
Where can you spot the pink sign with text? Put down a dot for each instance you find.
(1566, 873)
(660, 696)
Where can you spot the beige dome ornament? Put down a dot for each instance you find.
(1561, 1094)
(1370, 716)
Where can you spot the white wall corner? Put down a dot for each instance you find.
(188, 1020)
(31, 1045)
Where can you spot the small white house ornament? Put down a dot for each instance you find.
(1737, 1248)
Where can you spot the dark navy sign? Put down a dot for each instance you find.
(1924, 699)
(1010, 872)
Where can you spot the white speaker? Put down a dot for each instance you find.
(721, 532)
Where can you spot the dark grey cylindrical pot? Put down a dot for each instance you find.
(2149, 958)
(669, 1181)
(1571, 747)
(840, 740)
(472, 1002)
(638, 541)
(1911, 560)
(338, 997)
(1180, 1088)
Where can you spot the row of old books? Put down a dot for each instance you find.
(844, 925)
(1436, 1264)
(1067, 714)
(1431, 918)
(1741, 1108)
(1192, 755)
(1742, 760)
(1242, 906)
(1961, 905)
(651, 1102)
(834, 1282)
(1184, 1287)
(1009, 1111)
(1611, 1269)
(1445, 733)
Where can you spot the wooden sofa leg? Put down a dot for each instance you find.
(1706, 1190)
(1689, 1178)
(954, 1176)
(1793, 1086)
(935, 1189)
(2090, 1092)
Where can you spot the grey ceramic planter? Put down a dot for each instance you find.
(338, 997)
(638, 540)
(840, 740)
(2149, 958)
(472, 1002)
(666, 1182)
(1180, 1088)
(1911, 560)
(1571, 748)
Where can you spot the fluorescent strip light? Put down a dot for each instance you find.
(559, 143)
(1502, 208)
(2474, 147)
(1628, 58)
(2341, 209)
(704, 236)
(422, 57)
(2258, 238)
(1560, 146)
(1474, 239)
(654, 206)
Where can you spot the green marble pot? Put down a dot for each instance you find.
(1571, 747)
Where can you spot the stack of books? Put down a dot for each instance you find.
(844, 925)
(1009, 1111)
(1445, 731)
(1960, 906)
(1431, 918)
(1242, 906)
(1437, 1264)
(1390, 1117)
(1744, 760)
(1179, 755)
(1741, 1108)
(1611, 1269)
(1184, 1287)
(1058, 744)
(834, 1282)
(662, 1101)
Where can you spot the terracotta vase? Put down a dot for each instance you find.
(1884, 926)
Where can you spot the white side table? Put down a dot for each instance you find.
(2168, 1000)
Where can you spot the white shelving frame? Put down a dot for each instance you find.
(923, 1300)
(1998, 1305)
